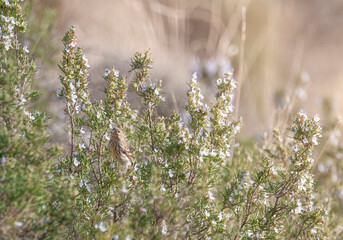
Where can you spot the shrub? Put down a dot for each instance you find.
(27, 198)
(189, 180)
(183, 184)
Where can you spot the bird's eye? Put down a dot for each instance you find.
(116, 131)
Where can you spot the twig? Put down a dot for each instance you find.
(240, 75)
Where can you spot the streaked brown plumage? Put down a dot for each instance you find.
(120, 150)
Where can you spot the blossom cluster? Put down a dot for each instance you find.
(74, 82)
(11, 21)
(196, 107)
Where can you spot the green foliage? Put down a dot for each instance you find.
(185, 182)
(27, 197)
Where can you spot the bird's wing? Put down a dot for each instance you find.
(129, 155)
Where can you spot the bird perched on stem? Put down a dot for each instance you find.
(120, 150)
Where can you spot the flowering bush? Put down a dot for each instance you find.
(188, 181)
(28, 200)
(183, 184)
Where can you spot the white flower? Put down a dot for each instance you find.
(78, 108)
(207, 214)
(316, 118)
(71, 85)
(82, 130)
(26, 49)
(304, 140)
(101, 226)
(10, 27)
(72, 44)
(315, 140)
(302, 183)
(136, 167)
(220, 216)
(194, 78)
(22, 100)
(213, 153)
(273, 169)
(29, 115)
(219, 81)
(76, 162)
(294, 148)
(233, 83)
(116, 73)
(249, 233)
(299, 207)
(26, 113)
(163, 189)
(229, 108)
(237, 129)
(107, 72)
(73, 97)
(210, 196)
(303, 114)
(84, 57)
(16, 88)
(204, 152)
(18, 224)
(171, 173)
(164, 228)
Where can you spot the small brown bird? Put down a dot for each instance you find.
(120, 150)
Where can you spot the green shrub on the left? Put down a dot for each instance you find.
(34, 201)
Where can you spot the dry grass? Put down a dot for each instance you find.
(283, 38)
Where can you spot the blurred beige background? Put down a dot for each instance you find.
(284, 41)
